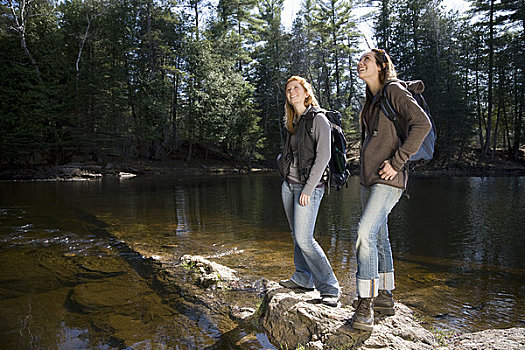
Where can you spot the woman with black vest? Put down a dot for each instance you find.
(305, 155)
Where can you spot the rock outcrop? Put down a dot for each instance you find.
(491, 339)
(294, 320)
(298, 319)
(208, 272)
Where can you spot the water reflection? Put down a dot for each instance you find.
(181, 215)
(459, 252)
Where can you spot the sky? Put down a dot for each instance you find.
(291, 7)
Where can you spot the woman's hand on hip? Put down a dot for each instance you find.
(304, 200)
(387, 172)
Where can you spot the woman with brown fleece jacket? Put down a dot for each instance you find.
(383, 179)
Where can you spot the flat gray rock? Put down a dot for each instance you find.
(490, 339)
(292, 319)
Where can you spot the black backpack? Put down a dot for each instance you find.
(426, 151)
(337, 171)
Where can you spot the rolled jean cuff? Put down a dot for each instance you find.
(386, 280)
(367, 288)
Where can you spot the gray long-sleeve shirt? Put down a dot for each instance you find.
(322, 136)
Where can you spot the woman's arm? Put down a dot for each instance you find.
(412, 115)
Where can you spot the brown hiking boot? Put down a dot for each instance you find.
(364, 314)
(384, 303)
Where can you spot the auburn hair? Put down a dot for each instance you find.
(289, 111)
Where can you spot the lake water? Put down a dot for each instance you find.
(458, 244)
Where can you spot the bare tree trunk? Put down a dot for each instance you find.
(150, 41)
(518, 119)
(83, 39)
(280, 125)
(491, 65)
(196, 10)
(501, 106)
(21, 16)
(81, 47)
(495, 136)
(239, 32)
(478, 103)
(351, 74)
(336, 61)
(327, 82)
(519, 101)
(506, 134)
(175, 105)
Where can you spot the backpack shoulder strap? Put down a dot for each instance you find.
(310, 119)
(390, 113)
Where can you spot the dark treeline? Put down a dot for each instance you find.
(127, 79)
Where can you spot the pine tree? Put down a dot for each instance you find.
(269, 76)
(514, 15)
(383, 23)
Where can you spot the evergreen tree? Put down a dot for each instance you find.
(513, 14)
(383, 23)
(269, 75)
(95, 79)
(236, 23)
(32, 120)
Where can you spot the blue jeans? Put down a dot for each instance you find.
(311, 264)
(375, 267)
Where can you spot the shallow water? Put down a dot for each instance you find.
(68, 282)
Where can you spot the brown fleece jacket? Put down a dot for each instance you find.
(385, 145)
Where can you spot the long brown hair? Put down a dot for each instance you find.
(384, 61)
(289, 111)
(387, 72)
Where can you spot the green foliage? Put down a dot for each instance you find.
(219, 110)
(93, 80)
(189, 265)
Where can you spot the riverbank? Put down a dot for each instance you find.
(91, 170)
(79, 171)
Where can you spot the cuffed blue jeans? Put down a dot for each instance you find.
(312, 267)
(375, 266)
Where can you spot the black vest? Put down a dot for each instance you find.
(305, 151)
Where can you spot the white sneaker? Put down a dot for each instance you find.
(330, 300)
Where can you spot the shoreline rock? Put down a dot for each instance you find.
(208, 272)
(292, 320)
(81, 172)
(298, 319)
(490, 339)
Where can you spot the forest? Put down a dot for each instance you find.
(103, 80)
